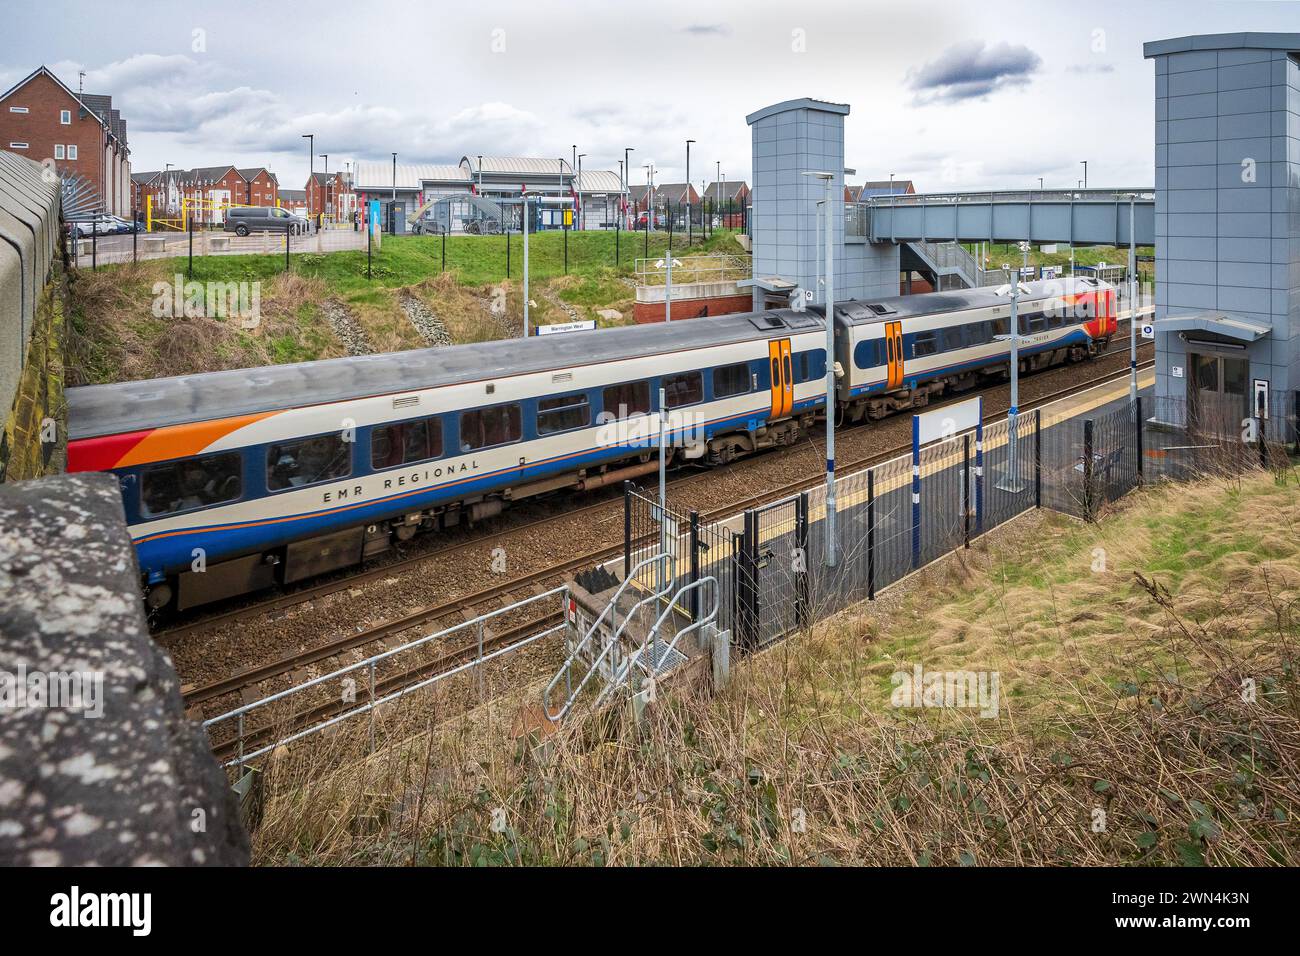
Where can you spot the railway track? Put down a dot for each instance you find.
(535, 582)
(351, 579)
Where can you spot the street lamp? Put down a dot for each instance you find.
(627, 185)
(326, 157)
(577, 193)
(1085, 173)
(828, 179)
(688, 192)
(525, 195)
(311, 166)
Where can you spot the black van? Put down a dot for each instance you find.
(245, 219)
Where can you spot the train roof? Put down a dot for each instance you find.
(893, 308)
(96, 410)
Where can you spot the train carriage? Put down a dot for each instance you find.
(239, 480)
(898, 351)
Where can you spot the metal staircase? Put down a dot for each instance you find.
(638, 634)
(948, 260)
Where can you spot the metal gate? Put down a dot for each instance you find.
(773, 571)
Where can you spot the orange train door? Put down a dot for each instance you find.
(894, 354)
(778, 352)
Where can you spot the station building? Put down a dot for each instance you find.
(479, 190)
(1227, 213)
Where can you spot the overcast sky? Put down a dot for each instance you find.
(954, 95)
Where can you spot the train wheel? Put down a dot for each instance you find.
(158, 596)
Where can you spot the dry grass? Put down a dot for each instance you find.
(116, 336)
(1149, 714)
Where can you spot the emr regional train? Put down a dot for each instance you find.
(236, 481)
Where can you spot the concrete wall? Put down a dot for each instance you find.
(1227, 156)
(29, 228)
(115, 775)
(790, 139)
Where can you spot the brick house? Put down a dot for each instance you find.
(82, 135)
(330, 194)
(261, 187)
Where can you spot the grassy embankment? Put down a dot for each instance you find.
(116, 335)
(1148, 714)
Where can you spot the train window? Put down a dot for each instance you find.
(1035, 322)
(306, 461)
(191, 483)
(979, 333)
(485, 427)
(1001, 326)
(867, 353)
(801, 367)
(925, 343)
(626, 400)
(405, 442)
(684, 389)
(731, 380)
(563, 413)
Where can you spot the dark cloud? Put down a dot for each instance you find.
(972, 70)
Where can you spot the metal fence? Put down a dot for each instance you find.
(771, 562)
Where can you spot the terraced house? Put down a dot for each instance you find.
(81, 134)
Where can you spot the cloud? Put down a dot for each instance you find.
(972, 70)
(707, 29)
(1091, 68)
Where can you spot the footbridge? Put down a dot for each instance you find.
(1078, 217)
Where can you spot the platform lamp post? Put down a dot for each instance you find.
(828, 180)
(1085, 173)
(667, 263)
(1011, 481)
(326, 203)
(1132, 304)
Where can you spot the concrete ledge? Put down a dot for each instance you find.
(98, 763)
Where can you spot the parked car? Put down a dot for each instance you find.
(96, 225)
(245, 219)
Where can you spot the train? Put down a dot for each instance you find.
(235, 481)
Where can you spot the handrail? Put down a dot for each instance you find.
(669, 577)
(697, 625)
(1143, 193)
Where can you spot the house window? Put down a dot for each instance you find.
(65, 117)
(17, 145)
(17, 109)
(58, 150)
(72, 151)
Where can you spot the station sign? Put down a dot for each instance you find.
(558, 327)
(1050, 272)
(1148, 330)
(947, 422)
(1027, 273)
